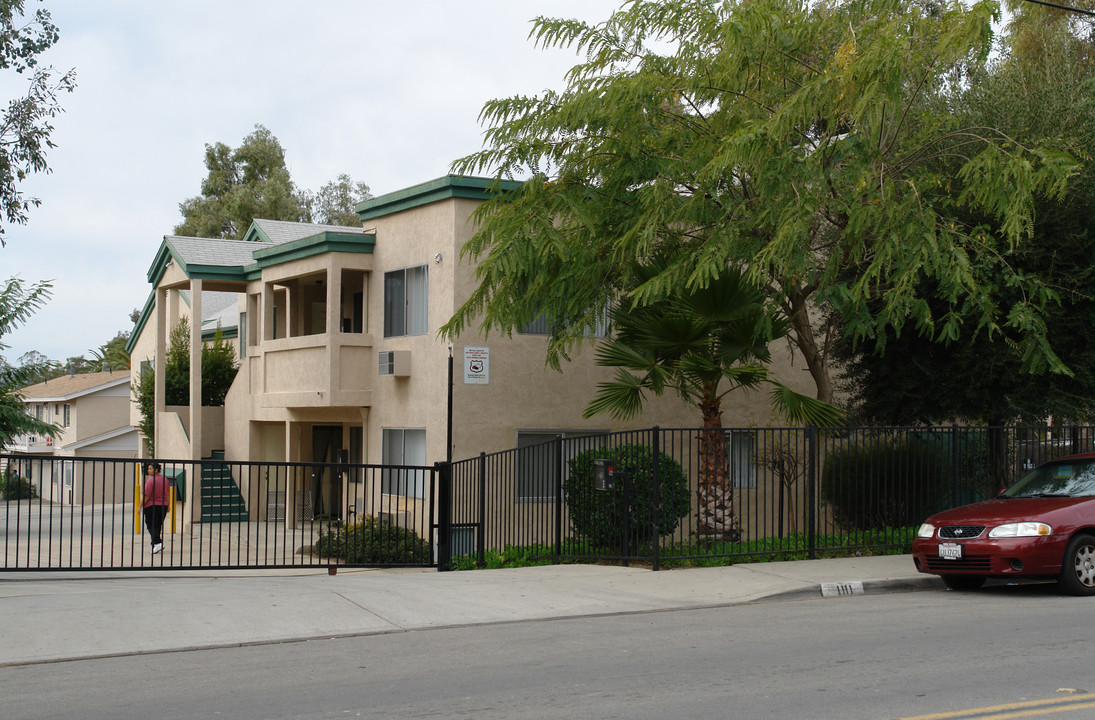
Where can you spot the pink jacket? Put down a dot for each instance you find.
(155, 491)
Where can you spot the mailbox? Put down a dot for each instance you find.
(604, 475)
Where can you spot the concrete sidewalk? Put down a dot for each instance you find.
(61, 616)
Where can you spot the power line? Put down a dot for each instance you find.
(1062, 7)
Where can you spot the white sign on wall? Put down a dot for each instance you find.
(476, 366)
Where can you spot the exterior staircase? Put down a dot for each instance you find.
(221, 498)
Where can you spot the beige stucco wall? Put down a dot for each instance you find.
(523, 393)
(96, 414)
(314, 375)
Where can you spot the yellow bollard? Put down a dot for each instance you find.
(137, 503)
(171, 502)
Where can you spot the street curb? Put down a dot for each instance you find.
(857, 587)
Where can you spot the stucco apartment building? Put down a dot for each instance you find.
(92, 411)
(337, 334)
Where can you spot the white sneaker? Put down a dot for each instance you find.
(156, 548)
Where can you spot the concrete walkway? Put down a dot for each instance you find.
(51, 617)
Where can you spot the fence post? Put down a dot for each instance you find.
(811, 491)
(656, 482)
(558, 455)
(443, 478)
(955, 468)
(481, 540)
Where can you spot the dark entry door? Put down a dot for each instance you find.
(326, 484)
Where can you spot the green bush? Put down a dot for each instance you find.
(13, 487)
(601, 515)
(887, 482)
(373, 541)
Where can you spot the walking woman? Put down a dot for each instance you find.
(155, 504)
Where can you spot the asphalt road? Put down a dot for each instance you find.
(884, 656)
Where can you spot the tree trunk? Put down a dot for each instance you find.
(715, 512)
(799, 313)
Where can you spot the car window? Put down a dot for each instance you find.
(1064, 479)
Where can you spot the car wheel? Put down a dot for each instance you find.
(963, 582)
(1078, 567)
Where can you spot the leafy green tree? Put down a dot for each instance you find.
(1039, 89)
(25, 126)
(335, 202)
(252, 181)
(793, 139)
(18, 302)
(38, 367)
(219, 367)
(144, 397)
(244, 183)
(704, 343)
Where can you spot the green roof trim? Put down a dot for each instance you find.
(266, 256)
(227, 333)
(255, 234)
(142, 319)
(324, 242)
(443, 188)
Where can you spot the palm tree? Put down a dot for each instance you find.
(17, 303)
(704, 343)
(111, 355)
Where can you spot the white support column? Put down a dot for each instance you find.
(160, 393)
(268, 328)
(195, 370)
(334, 327)
(334, 300)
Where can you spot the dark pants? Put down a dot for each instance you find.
(153, 517)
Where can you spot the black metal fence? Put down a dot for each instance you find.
(675, 495)
(777, 492)
(69, 513)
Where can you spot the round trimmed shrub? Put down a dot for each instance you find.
(374, 541)
(13, 487)
(600, 516)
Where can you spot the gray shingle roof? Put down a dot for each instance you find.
(280, 231)
(212, 251)
(217, 307)
(227, 316)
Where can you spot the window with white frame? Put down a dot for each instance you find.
(541, 463)
(403, 447)
(406, 294)
(67, 415)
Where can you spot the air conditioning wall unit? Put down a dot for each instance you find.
(396, 363)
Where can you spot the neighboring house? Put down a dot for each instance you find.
(337, 333)
(92, 411)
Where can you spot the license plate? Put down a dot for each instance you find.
(950, 551)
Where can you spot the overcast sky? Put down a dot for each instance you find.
(389, 92)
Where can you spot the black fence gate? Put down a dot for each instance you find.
(84, 514)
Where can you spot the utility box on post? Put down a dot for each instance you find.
(604, 475)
